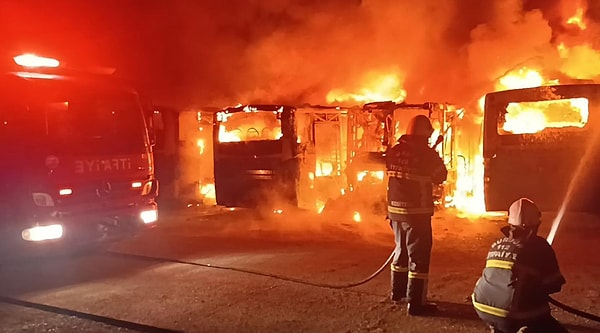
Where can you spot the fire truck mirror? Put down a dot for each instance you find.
(157, 121)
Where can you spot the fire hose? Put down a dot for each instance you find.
(574, 311)
(554, 302)
(248, 271)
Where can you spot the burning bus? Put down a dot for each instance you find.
(537, 141)
(256, 158)
(77, 163)
(315, 156)
(371, 130)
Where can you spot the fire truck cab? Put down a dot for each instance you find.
(76, 164)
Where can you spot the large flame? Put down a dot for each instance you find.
(378, 87)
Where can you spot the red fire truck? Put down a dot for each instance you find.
(76, 164)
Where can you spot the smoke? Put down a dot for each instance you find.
(198, 53)
(297, 51)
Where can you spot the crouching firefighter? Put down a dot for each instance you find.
(521, 270)
(412, 167)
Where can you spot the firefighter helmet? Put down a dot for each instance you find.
(524, 213)
(419, 125)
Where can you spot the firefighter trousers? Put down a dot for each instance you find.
(410, 265)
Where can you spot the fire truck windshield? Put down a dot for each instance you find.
(63, 116)
(249, 126)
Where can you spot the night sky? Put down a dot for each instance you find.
(206, 52)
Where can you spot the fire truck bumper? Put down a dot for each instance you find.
(76, 232)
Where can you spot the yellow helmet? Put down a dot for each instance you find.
(419, 125)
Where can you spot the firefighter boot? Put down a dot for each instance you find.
(399, 281)
(417, 296)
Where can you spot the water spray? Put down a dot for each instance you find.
(571, 188)
(559, 217)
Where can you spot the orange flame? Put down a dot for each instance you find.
(577, 19)
(380, 87)
(579, 61)
(469, 194)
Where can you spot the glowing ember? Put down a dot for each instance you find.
(207, 193)
(201, 146)
(356, 217)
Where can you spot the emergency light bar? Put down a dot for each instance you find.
(32, 60)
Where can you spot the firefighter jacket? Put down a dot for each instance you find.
(412, 168)
(517, 279)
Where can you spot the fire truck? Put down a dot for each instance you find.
(76, 164)
(314, 156)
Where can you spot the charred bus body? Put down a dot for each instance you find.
(314, 156)
(343, 152)
(256, 162)
(387, 121)
(534, 141)
(76, 164)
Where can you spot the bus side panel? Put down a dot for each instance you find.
(541, 166)
(538, 173)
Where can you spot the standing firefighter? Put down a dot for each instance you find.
(412, 167)
(520, 272)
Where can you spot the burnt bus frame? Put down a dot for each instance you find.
(541, 165)
(252, 174)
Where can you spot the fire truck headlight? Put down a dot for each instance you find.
(43, 200)
(42, 233)
(32, 60)
(149, 216)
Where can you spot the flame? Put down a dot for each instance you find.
(521, 78)
(382, 87)
(579, 61)
(356, 217)
(468, 197)
(524, 117)
(251, 125)
(577, 18)
(201, 146)
(533, 117)
(228, 136)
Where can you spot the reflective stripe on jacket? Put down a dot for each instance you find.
(412, 168)
(513, 283)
